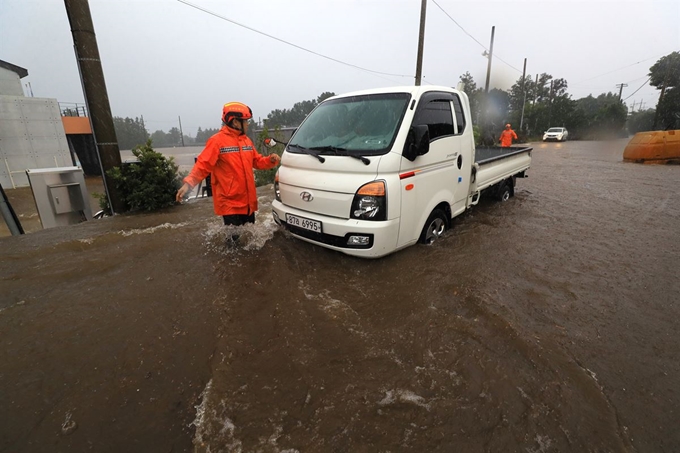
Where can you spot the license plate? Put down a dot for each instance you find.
(301, 222)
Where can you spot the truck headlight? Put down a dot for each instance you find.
(370, 202)
(277, 191)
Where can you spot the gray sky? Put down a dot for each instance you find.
(163, 59)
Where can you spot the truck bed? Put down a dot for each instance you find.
(496, 164)
(485, 155)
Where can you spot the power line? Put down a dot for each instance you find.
(639, 88)
(615, 70)
(635, 80)
(289, 43)
(473, 38)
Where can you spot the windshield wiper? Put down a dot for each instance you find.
(341, 152)
(307, 151)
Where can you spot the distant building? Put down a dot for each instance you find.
(33, 132)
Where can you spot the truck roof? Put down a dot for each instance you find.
(413, 90)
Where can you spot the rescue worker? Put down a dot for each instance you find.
(507, 135)
(230, 156)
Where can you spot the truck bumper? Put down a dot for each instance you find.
(371, 239)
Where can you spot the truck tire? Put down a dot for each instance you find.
(504, 191)
(434, 227)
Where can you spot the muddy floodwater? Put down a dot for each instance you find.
(549, 323)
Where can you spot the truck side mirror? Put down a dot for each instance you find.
(417, 142)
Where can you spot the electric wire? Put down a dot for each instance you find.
(646, 81)
(473, 38)
(290, 43)
(615, 70)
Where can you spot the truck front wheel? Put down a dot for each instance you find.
(434, 227)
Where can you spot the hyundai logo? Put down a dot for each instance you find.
(306, 196)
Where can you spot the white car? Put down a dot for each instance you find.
(556, 133)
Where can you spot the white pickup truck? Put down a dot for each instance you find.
(371, 172)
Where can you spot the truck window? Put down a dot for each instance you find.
(362, 125)
(436, 115)
(460, 117)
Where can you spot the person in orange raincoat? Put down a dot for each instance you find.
(230, 156)
(506, 136)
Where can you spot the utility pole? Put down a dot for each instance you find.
(421, 42)
(181, 134)
(550, 108)
(524, 88)
(96, 97)
(7, 213)
(490, 57)
(620, 86)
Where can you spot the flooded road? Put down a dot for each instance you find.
(547, 323)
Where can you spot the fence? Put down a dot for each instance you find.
(72, 109)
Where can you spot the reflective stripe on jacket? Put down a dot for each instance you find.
(230, 157)
(506, 137)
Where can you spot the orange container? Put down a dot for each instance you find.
(654, 147)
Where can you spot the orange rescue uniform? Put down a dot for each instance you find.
(506, 137)
(230, 156)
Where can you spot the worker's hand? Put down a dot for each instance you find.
(275, 159)
(182, 191)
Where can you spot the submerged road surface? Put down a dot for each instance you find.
(546, 323)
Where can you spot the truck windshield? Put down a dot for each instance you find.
(356, 125)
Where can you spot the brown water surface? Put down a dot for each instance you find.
(546, 323)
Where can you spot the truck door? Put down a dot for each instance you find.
(433, 177)
(463, 160)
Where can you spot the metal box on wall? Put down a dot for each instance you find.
(60, 195)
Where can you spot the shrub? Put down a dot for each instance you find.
(103, 201)
(148, 184)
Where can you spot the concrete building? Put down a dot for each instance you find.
(32, 134)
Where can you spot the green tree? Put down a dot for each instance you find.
(294, 116)
(160, 139)
(598, 118)
(546, 103)
(130, 132)
(665, 75)
(641, 121)
(474, 94)
(174, 137)
(202, 135)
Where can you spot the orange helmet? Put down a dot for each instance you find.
(233, 110)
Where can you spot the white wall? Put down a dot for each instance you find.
(10, 83)
(31, 136)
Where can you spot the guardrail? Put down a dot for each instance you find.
(72, 109)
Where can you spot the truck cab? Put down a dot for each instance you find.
(371, 172)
